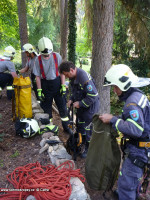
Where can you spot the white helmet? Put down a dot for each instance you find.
(120, 75)
(45, 46)
(26, 127)
(9, 52)
(28, 47)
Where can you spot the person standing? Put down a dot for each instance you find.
(50, 84)
(6, 65)
(31, 55)
(134, 124)
(85, 99)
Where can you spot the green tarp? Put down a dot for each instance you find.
(103, 158)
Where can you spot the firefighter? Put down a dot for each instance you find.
(134, 124)
(50, 84)
(6, 64)
(31, 55)
(85, 99)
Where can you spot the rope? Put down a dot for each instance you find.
(43, 182)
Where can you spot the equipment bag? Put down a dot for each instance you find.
(22, 104)
(103, 158)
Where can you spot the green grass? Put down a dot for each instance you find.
(16, 154)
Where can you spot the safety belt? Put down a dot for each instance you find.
(41, 65)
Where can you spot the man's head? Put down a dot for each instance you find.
(45, 46)
(29, 50)
(9, 52)
(68, 69)
(120, 76)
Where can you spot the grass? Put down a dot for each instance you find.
(1, 163)
(16, 154)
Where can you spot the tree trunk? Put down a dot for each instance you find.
(64, 28)
(103, 19)
(22, 26)
(72, 30)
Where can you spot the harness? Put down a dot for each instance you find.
(41, 65)
(1, 59)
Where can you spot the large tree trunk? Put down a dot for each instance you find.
(22, 26)
(103, 18)
(64, 28)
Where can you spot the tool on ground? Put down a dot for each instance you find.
(74, 142)
(53, 142)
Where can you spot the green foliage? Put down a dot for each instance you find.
(84, 29)
(121, 43)
(72, 30)
(9, 25)
(128, 45)
(43, 21)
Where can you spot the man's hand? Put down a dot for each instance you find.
(40, 95)
(69, 103)
(106, 118)
(63, 89)
(76, 104)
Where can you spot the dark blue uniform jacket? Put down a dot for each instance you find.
(84, 91)
(135, 120)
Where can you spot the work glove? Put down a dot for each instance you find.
(40, 95)
(63, 90)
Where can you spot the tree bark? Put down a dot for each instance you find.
(64, 28)
(103, 18)
(22, 26)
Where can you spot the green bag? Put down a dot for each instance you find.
(103, 158)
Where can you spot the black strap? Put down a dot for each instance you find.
(137, 161)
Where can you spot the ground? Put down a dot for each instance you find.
(16, 151)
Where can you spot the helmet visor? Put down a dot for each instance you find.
(46, 51)
(106, 82)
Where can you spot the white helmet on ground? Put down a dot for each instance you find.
(9, 51)
(120, 75)
(28, 47)
(26, 127)
(45, 46)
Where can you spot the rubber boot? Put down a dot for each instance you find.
(10, 92)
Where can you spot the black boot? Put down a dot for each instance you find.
(85, 150)
(65, 125)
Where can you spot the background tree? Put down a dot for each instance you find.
(22, 26)
(63, 28)
(103, 16)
